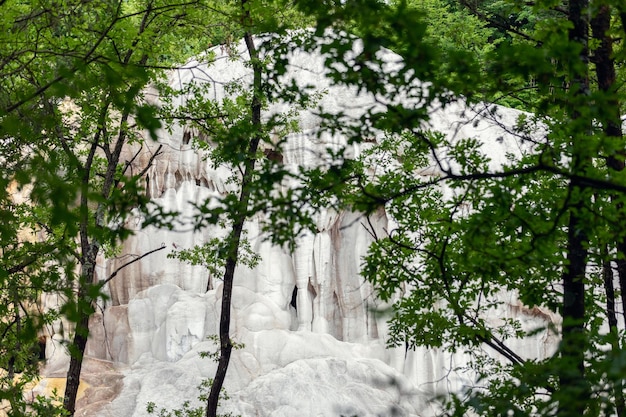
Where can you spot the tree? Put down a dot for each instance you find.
(72, 101)
(546, 225)
(72, 115)
(75, 78)
(25, 273)
(233, 131)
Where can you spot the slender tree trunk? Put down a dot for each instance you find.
(84, 307)
(605, 71)
(81, 334)
(234, 238)
(572, 378)
(573, 386)
(611, 124)
(90, 246)
(89, 251)
(609, 290)
(607, 274)
(18, 331)
(13, 393)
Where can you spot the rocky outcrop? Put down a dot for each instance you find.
(313, 344)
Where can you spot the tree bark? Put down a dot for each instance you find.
(90, 246)
(89, 251)
(572, 378)
(607, 274)
(611, 126)
(81, 334)
(572, 383)
(234, 238)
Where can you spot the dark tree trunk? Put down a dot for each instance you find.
(89, 251)
(605, 72)
(234, 238)
(76, 363)
(573, 388)
(572, 378)
(611, 124)
(90, 246)
(607, 274)
(226, 345)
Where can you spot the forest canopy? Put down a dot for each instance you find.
(549, 226)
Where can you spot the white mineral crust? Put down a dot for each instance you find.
(326, 356)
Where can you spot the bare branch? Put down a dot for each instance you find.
(151, 161)
(114, 274)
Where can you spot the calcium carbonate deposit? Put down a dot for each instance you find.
(313, 345)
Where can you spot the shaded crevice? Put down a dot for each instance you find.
(41, 348)
(294, 298)
(337, 318)
(186, 137)
(312, 292)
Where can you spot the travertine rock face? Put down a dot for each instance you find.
(313, 346)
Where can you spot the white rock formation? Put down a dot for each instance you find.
(326, 356)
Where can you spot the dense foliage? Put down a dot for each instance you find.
(73, 119)
(547, 225)
(77, 120)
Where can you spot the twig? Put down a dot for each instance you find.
(128, 263)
